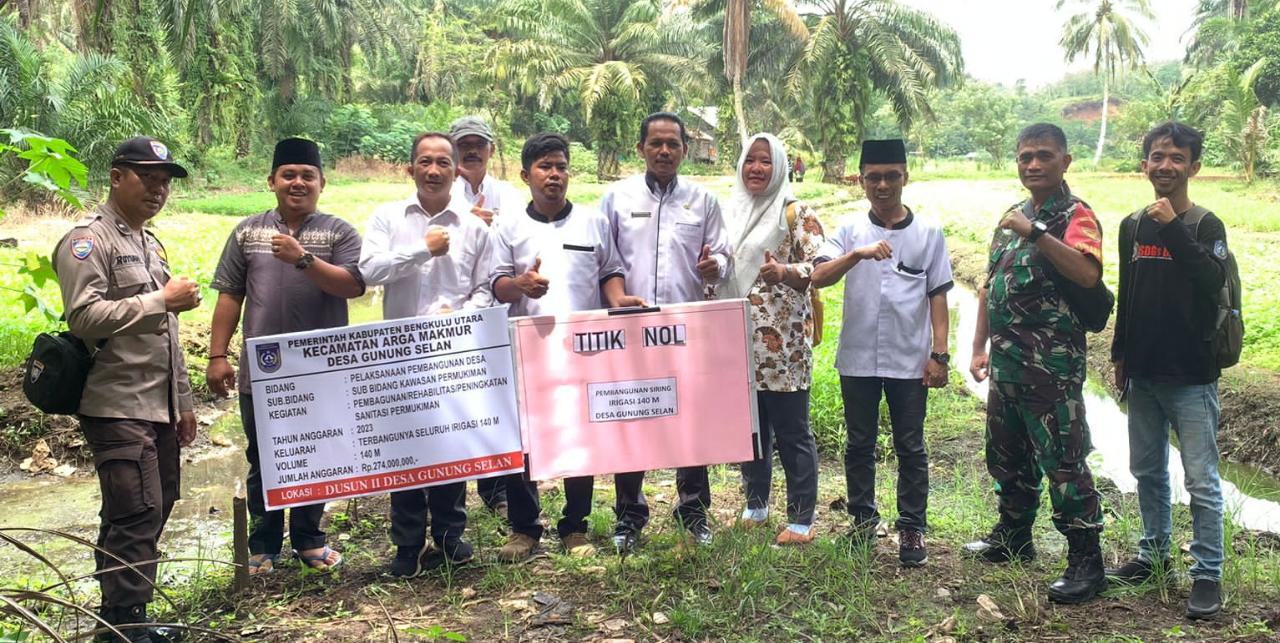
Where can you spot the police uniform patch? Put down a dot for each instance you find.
(80, 248)
(160, 150)
(1220, 249)
(160, 252)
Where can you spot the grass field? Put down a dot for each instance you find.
(741, 588)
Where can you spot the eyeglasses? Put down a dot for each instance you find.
(891, 177)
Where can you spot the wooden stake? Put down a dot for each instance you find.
(240, 539)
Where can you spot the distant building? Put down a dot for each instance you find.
(702, 128)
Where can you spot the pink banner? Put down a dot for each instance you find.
(601, 393)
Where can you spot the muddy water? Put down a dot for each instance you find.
(200, 526)
(1250, 495)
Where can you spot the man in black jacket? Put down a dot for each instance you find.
(1171, 271)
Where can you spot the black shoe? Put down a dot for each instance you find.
(1205, 600)
(701, 534)
(131, 616)
(409, 560)
(1136, 571)
(625, 541)
(1084, 576)
(911, 550)
(454, 552)
(1004, 544)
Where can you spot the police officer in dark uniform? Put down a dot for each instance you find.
(136, 410)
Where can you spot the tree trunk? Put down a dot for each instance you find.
(24, 15)
(1106, 108)
(602, 163)
(93, 18)
(244, 143)
(832, 167)
(738, 111)
(348, 85)
(285, 86)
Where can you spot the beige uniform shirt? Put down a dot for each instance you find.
(112, 278)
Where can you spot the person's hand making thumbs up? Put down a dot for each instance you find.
(479, 210)
(708, 267)
(772, 272)
(532, 283)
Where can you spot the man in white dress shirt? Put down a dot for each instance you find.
(488, 195)
(673, 244)
(555, 257)
(431, 256)
(894, 340)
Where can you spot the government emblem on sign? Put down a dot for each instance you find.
(269, 357)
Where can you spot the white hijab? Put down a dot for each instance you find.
(756, 222)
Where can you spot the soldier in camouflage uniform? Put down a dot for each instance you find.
(1035, 410)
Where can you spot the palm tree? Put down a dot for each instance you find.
(1104, 30)
(860, 48)
(735, 44)
(1243, 120)
(86, 99)
(1218, 27)
(1233, 9)
(613, 56)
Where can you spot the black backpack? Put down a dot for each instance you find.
(1226, 334)
(54, 374)
(1091, 305)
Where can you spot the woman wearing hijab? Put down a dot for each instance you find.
(775, 239)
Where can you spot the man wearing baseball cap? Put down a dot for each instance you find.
(291, 269)
(488, 197)
(136, 411)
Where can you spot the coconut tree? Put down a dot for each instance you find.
(737, 27)
(1105, 31)
(613, 56)
(1218, 27)
(861, 48)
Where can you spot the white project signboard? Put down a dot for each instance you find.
(387, 406)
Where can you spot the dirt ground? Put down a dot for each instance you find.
(553, 598)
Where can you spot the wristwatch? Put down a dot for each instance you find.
(1038, 228)
(941, 358)
(304, 261)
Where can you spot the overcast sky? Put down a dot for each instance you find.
(1008, 40)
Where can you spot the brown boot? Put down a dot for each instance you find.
(576, 544)
(518, 548)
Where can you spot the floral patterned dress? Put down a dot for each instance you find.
(782, 316)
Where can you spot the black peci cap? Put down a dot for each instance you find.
(144, 150)
(296, 151)
(892, 150)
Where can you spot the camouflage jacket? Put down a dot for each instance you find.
(1035, 339)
